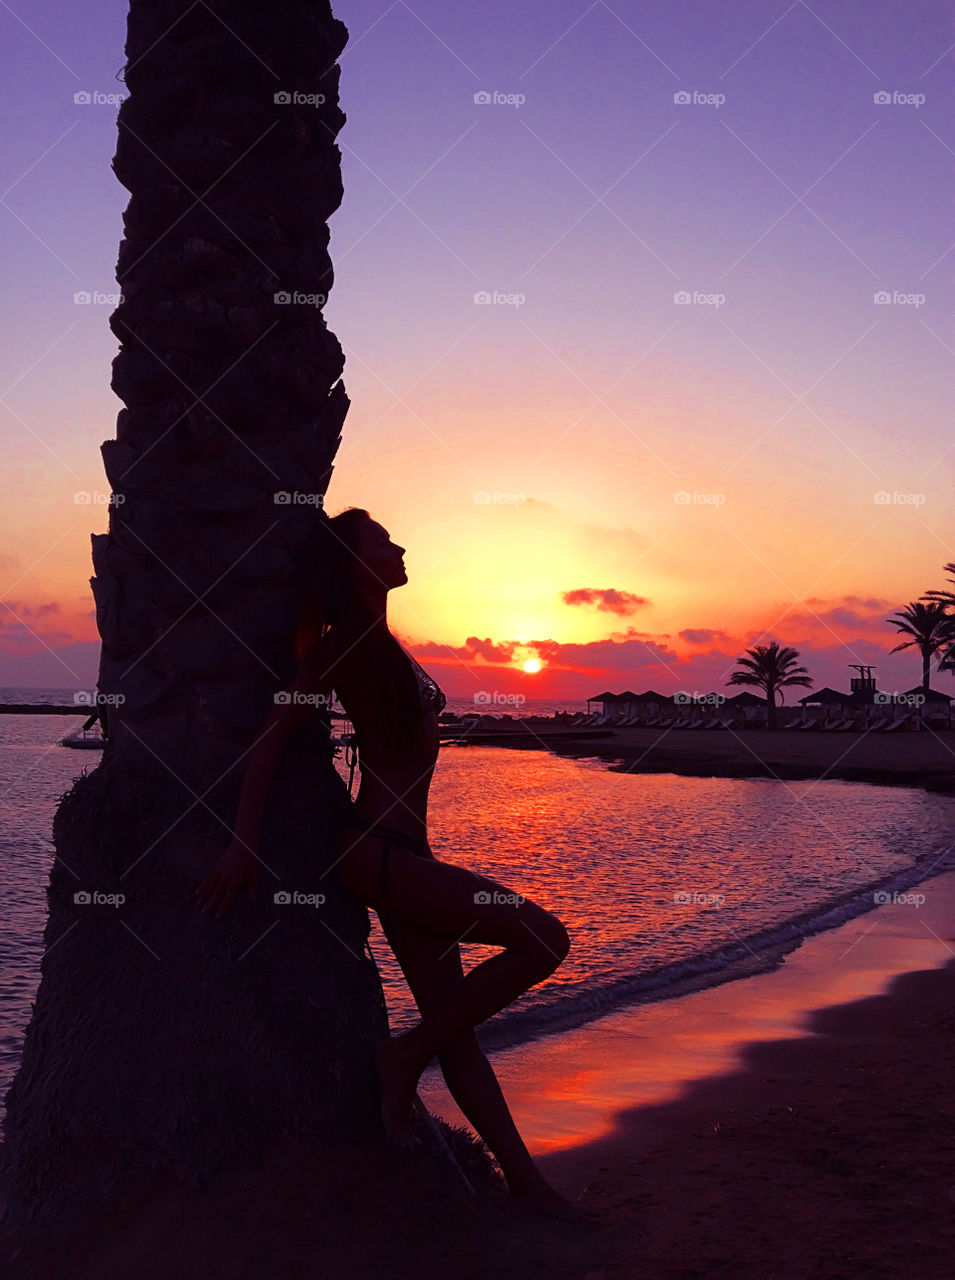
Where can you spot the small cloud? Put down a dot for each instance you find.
(704, 635)
(871, 604)
(488, 650)
(606, 599)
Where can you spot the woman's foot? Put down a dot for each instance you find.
(398, 1078)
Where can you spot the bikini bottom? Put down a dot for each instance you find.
(387, 835)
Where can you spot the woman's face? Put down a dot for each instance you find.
(383, 559)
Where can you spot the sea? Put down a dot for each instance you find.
(664, 883)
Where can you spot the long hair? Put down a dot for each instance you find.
(327, 602)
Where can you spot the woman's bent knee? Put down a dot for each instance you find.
(561, 943)
(549, 941)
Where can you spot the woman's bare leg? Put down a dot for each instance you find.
(432, 969)
(448, 902)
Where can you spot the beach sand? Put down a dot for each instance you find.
(903, 757)
(797, 1123)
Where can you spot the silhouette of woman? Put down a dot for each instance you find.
(426, 907)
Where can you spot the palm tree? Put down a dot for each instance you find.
(772, 669)
(947, 599)
(162, 1039)
(930, 628)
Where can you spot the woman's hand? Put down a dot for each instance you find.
(237, 869)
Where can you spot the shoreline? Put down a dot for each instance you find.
(757, 953)
(858, 958)
(925, 759)
(791, 1124)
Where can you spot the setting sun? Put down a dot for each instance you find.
(532, 665)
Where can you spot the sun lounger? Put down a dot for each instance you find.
(794, 724)
(809, 724)
(897, 724)
(880, 723)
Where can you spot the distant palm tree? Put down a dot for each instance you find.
(946, 598)
(771, 668)
(931, 629)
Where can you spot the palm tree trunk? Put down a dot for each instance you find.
(771, 709)
(162, 1039)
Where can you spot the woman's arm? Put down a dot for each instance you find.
(237, 867)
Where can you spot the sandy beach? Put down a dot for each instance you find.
(794, 1124)
(915, 759)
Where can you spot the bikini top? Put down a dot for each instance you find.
(428, 691)
(430, 695)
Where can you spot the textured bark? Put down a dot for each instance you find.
(162, 1039)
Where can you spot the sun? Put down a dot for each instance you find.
(532, 665)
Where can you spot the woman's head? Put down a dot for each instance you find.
(350, 566)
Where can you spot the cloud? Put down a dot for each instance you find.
(24, 628)
(870, 603)
(631, 659)
(607, 599)
(704, 635)
(473, 647)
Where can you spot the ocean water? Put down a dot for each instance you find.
(662, 881)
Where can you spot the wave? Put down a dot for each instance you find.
(562, 1010)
